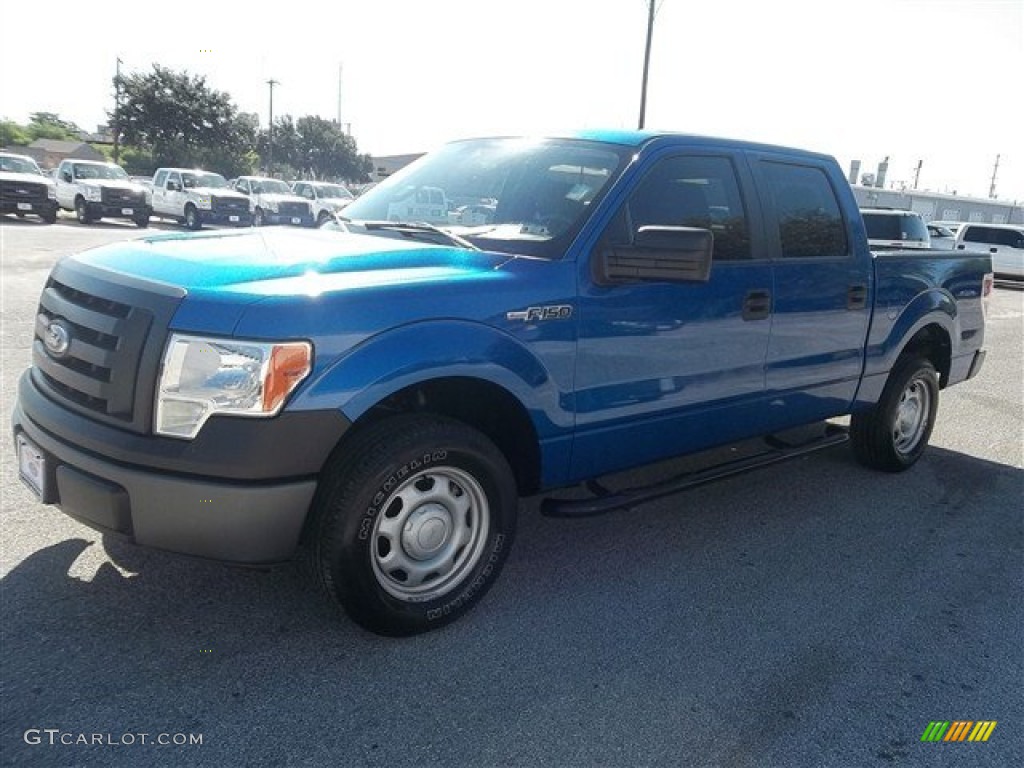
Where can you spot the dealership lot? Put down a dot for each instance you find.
(814, 613)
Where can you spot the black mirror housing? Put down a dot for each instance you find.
(658, 254)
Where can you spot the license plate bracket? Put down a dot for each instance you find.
(32, 466)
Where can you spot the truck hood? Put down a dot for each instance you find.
(219, 192)
(27, 178)
(286, 262)
(279, 197)
(112, 184)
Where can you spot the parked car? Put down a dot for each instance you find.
(942, 237)
(273, 202)
(325, 198)
(96, 190)
(893, 228)
(195, 197)
(1004, 242)
(25, 190)
(385, 394)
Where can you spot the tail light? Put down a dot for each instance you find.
(987, 284)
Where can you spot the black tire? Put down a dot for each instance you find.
(893, 435)
(82, 212)
(257, 218)
(323, 218)
(192, 220)
(50, 218)
(412, 522)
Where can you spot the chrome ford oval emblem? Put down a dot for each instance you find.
(57, 338)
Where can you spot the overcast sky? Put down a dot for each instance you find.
(933, 80)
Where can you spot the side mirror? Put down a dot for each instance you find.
(66, 175)
(173, 186)
(658, 254)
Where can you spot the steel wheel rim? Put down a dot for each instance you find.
(429, 534)
(911, 416)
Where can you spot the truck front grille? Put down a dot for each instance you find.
(97, 346)
(117, 196)
(22, 192)
(294, 209)
(230, 205)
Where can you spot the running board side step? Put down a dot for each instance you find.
(606, 501)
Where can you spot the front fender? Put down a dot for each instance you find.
(401, 357)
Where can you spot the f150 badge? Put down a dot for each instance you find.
(535, 314)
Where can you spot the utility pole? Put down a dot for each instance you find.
(917, 172)
(647, 63)
(339, 95)
(117, 112)
(270, 130)
(992, 186)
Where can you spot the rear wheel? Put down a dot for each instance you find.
(893, 435)
(412, 523)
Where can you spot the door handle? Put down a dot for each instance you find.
(857, 297)
(757, 305)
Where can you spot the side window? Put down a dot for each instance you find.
(810, 224)
(977, 235)
(689, 191)
(161, 177)
(176, 178)
(1007, 237)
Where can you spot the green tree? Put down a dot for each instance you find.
(49, 125)
(314, 147)
(180, 121)
(13, 135)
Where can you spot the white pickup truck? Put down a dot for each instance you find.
(325, 198)
(96, 190)
(272, 202)
(195, 198)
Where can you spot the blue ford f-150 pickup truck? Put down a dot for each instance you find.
(384, 394)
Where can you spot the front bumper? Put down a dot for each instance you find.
(44, 208)
(231, 494)
(117, 211)
(282, 218)
(242, 218)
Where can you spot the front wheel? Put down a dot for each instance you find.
(192, 218)
(412, 523)
(893, 435)
(257, 218)
(82, 211)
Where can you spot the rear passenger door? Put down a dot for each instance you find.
(823, 289)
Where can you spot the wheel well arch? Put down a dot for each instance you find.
(480, 404)
(932, 343)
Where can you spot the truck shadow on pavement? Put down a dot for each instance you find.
(776, 591)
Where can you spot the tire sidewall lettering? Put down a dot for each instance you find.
(390, 483)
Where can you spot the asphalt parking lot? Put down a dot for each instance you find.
(809, 614)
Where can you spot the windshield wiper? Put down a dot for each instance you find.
(413, 227)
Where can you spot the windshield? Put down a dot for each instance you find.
(510, 195)
(333, 190)
(108, 171)
(13, 164)
(270, 187)
(193, 180)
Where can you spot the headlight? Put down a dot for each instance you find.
(204, 202)
(92, 194)
(201, 377)
(51, 191)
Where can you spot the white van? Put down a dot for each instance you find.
(1004, 241)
